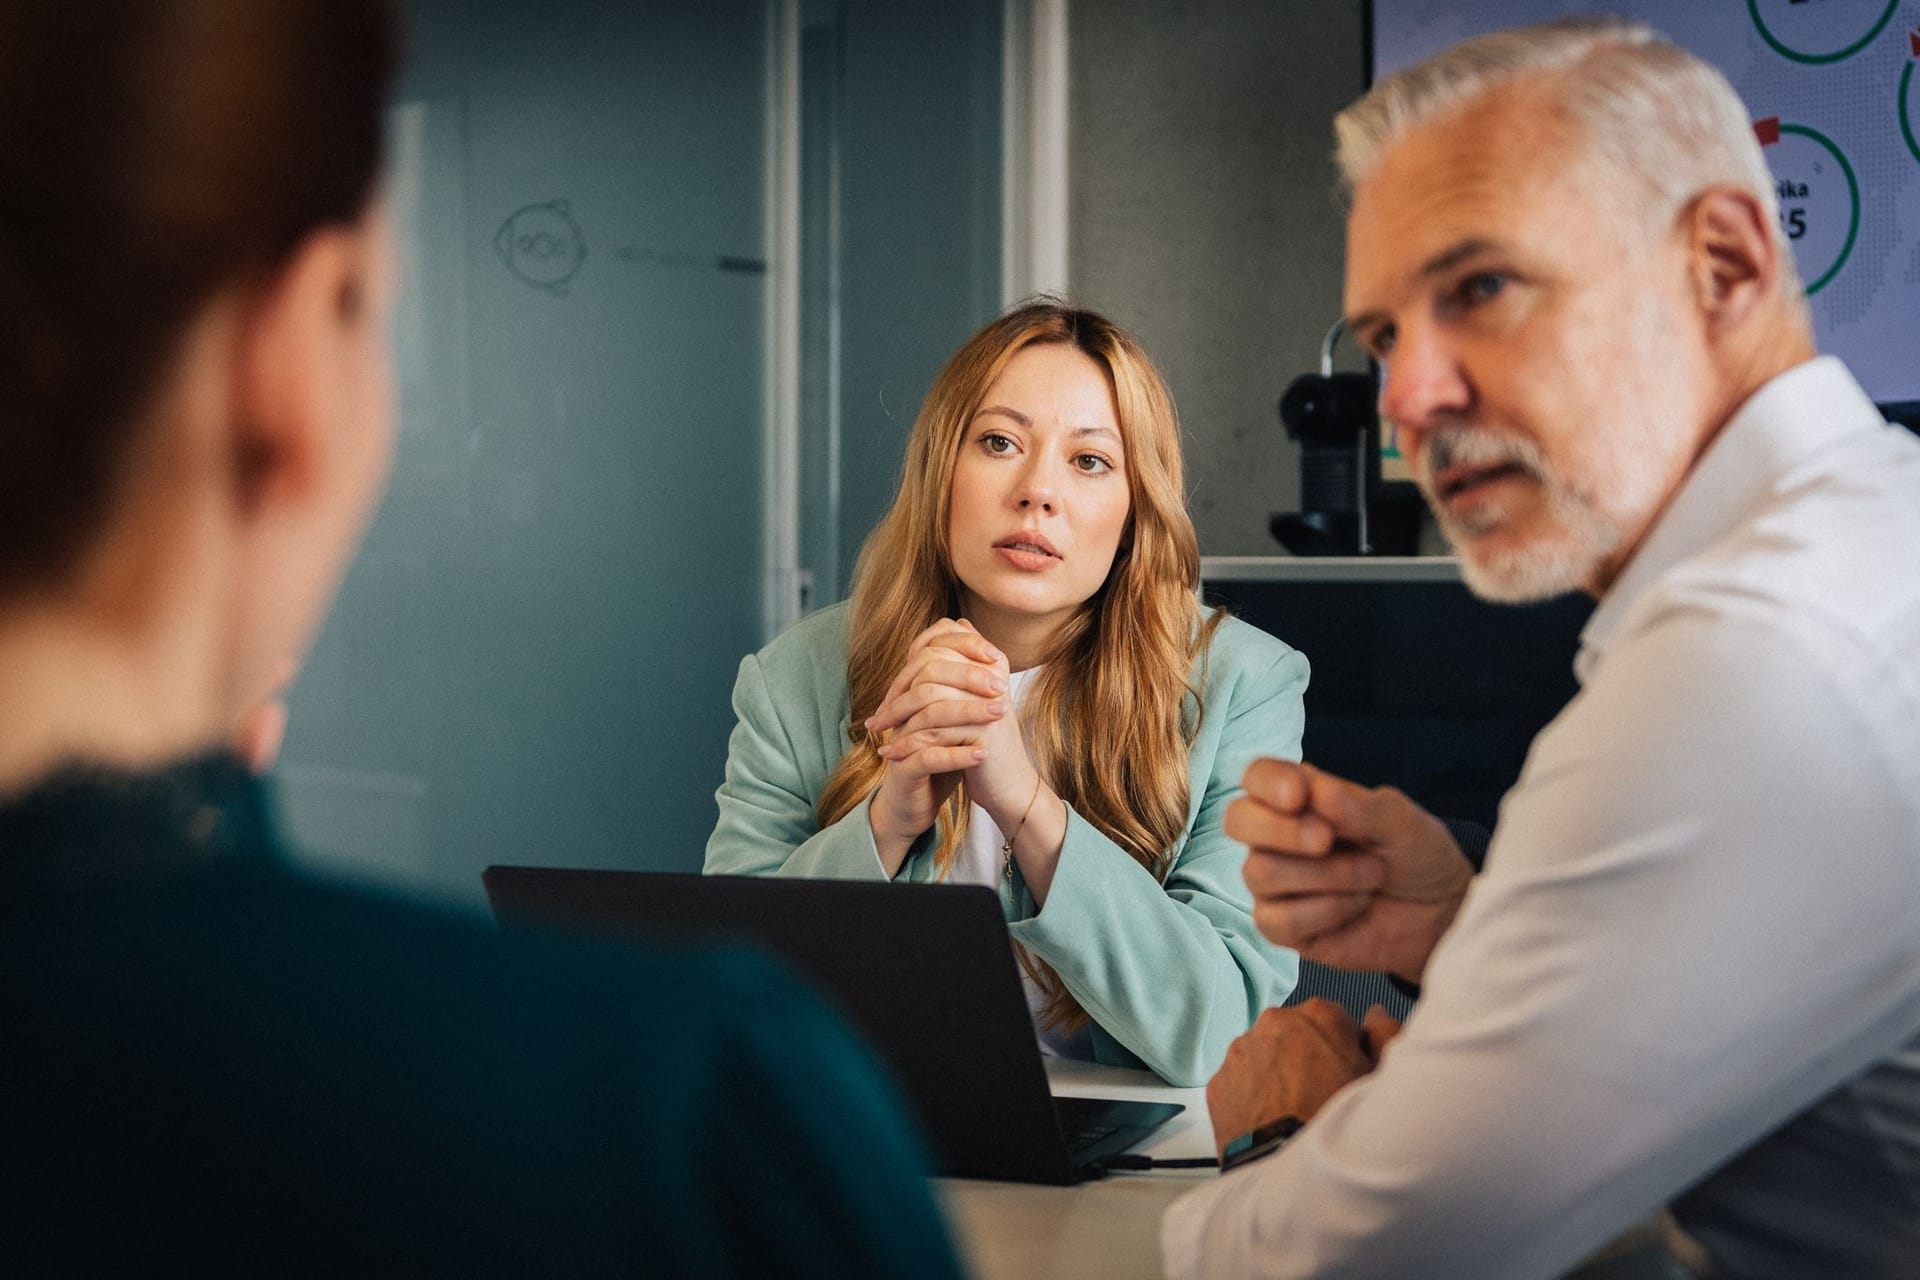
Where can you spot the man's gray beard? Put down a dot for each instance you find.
(1565, 559)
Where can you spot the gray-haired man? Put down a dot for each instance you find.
(1690, 973)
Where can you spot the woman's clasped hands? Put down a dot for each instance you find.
(948, 714)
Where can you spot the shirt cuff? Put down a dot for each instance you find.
(1181, 1231)
(1231, 1203)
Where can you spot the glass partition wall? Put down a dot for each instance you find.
(673, 278)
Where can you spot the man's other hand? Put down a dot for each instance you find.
(1349, 876)
(1290, 1062)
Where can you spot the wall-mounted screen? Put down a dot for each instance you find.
(1831, 85)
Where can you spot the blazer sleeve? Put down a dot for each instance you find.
(767, 824)
(1175, 972)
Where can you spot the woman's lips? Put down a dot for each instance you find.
(1027, 551)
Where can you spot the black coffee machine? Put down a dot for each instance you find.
(1345, 508)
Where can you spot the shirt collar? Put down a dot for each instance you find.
(91, 828)
(1789, 419)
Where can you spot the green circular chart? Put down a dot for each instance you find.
(1819, 201)
(1906, 111)
(1816, 34)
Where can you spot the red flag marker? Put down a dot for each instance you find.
(1914, 37)
(1768, 130)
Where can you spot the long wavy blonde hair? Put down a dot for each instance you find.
(1122, 662)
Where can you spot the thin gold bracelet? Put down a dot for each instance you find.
(1006, 843)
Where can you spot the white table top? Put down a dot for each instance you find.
(1110, 1230)
(1107, 1230)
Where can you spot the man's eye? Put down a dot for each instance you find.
(1482, 286)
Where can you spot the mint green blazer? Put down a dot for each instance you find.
(1170, 973)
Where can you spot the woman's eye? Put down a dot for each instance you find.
(1092, 463)
(994, 442)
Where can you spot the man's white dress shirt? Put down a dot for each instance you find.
(1693, 959)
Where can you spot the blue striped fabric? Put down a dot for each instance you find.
(1354, 992)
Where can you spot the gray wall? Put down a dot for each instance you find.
(1203, 218)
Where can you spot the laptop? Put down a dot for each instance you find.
(926, 971)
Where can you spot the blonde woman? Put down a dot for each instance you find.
(1024, 692)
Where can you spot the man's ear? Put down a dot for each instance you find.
(290, 371)
(1733, 256)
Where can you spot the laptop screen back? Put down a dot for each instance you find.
(927, 972)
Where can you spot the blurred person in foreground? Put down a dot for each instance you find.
(1689, 975)
(214, 1063)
